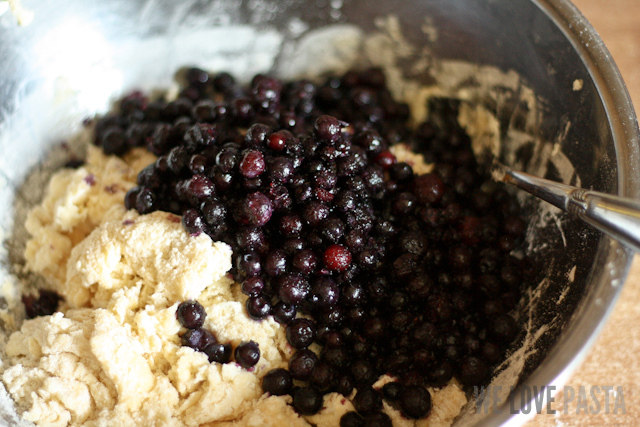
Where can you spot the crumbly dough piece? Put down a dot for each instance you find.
(153, 251)
(77, 201)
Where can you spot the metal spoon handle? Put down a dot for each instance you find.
(615, 216)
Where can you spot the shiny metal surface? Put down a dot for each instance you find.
(618, 217)
(77, 56)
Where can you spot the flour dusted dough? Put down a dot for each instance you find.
(76, 202)
(113, 356)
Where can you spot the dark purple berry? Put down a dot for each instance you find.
(218, 353)
(473, 371)
(302, 364)
(277, 382)
(351, 419)
(363, 372)
(428, 188)
(293, 288)
(275, 263)
(252, 286)
(191, 314)
(344, 385)
(145, 201)
(114, 142)
(255, 209)
(280, 169)
(415, 402)
(198, 339)
(322, 377)
(328, 129)
(304, 261)
(377, 419)
(367, 400)
(440, 375)
(249, 264)
(247, 354)
(277, 141)
(251, 239)
(252, 164)
(301, 333)
(337, 258)
(43, 305)
(314, 213)
(324, 293)
(307, 400)
(284, 313)
(131, 197)
(504, 328)
(193, 222)
(290, 225)
(256, 136)
(258, 307)
(391, 391)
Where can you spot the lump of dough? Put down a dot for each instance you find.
(153, 250)
(76, 201)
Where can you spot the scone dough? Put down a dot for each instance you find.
(113, 356)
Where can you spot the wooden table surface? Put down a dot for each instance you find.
(615, 358)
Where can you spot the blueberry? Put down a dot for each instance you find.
(247, 354)
(277, 382)
(377, 419)
(367, 400)
(473, 371)
(45, 304)
(284, 313)
(191, 314)
(301, 333)
(198, 339)
(302, 364)
(255, 209)
(258, 307)
(307, 400)
(391, 391)
(351, 419)
(219, 353)
(293, 288)
(328, 129)
(252, 164)
(415, 402)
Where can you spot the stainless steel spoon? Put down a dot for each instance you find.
(615, 216)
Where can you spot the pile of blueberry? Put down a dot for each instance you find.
(398, 274)
(191, 315)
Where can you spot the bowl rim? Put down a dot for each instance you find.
(613, 259)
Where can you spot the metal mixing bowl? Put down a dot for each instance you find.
(77, 55)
